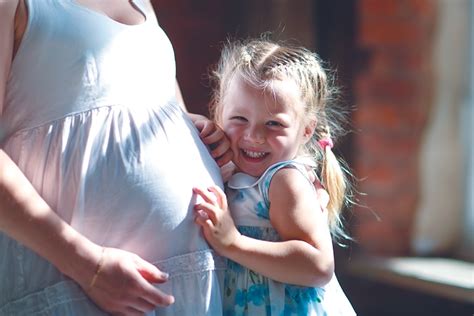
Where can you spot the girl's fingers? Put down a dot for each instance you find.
(205, 195)
(205, 223)
(202, 213)
(208, 209)
(221, 198)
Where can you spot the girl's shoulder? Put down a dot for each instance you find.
(286, 176)
(304, 166)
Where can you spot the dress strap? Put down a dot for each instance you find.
(266, 178)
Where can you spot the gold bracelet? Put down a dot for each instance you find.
(98, 269)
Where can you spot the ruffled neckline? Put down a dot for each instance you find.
(241, 180)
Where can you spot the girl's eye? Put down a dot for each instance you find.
(239, 118)
(274, 124)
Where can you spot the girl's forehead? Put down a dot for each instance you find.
(273, 96)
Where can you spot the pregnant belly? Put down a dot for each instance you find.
(139, 197)
(121, 177)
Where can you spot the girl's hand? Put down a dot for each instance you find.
(123, 284)
(321, 192)
(215, 219)
(213, 136)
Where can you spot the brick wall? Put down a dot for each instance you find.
(393, 92)
(196, 30)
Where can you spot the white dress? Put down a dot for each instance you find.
(91, 119)
(247, 293)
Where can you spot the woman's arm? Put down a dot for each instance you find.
(27, 218)
(211, 134)
(304, 257)
(7, 30)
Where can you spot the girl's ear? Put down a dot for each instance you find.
(309, 130)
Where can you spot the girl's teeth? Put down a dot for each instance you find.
(254, 154)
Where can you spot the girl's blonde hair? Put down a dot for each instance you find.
(259, 62)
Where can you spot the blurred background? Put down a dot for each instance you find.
(406, 72)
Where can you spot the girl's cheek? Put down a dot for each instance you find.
(231, 132)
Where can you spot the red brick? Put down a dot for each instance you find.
(390, 119)
(388, 240)
(393, 94)
(394, 89)
(400, 33)
(386, 195)
(380, 114)
(411, 62)
(420, 8)
(369, 8)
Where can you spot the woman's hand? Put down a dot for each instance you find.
(213, 136)
(122, 284)
(215, 219)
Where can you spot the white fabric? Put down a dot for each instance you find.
(90, 118)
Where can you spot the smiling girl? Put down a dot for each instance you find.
(272, 103)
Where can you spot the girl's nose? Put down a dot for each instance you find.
(255, 135)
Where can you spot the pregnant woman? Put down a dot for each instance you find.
(97, 165)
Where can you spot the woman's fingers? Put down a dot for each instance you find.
(139, 307)
(213, 134)
(150, 272)
(205, 129)
(124, 284)
(154, 296)
(225, 158)
(220, 149)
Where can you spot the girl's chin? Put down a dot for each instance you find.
(254, 171)
(253, 166)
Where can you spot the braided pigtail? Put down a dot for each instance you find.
(335, 182)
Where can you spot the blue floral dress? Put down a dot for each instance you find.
(249, 293)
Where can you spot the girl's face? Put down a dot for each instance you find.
(264, 127)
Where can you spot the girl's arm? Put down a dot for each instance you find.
(27, 218)
(304, 256)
